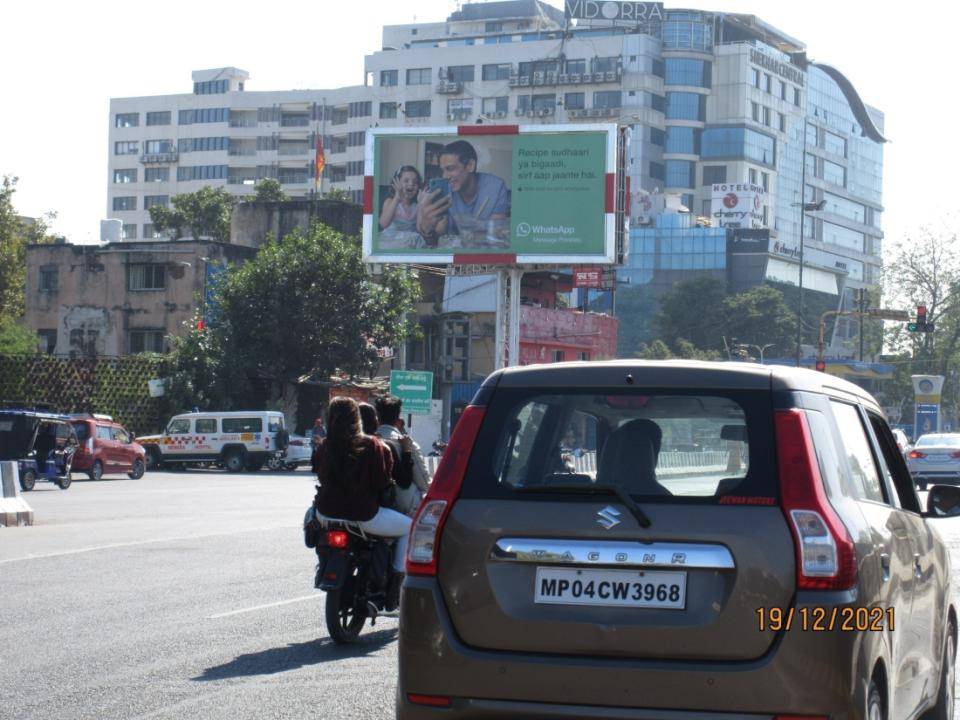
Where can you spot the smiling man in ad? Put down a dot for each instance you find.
(534, 192)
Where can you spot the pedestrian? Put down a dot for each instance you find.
(389, 409)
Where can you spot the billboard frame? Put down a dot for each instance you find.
(612, 210)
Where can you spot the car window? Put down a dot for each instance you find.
(828, 459)
(206, 425)
(103, 433)
(242, 425)
(180, 426)
(659, 444)
(863, 472)
(895, 465)
(120, 435)
(275, 424)
(82, 431)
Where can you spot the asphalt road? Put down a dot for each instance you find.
(184, 595)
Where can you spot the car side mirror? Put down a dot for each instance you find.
(943, 501)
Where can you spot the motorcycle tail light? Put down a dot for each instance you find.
(337, 538)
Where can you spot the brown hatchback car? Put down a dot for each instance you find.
(675, 540)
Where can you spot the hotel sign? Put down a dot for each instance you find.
(784, 70)
(609, 10)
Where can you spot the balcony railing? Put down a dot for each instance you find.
(243, 122)
(297, 121)
(302, 150)
(154, 158)
(242, 151)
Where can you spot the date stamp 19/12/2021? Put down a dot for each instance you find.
(825, 619)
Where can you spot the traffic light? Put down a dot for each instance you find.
(921, 325)
(821, 366)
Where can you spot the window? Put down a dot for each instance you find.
(834, 173)
(388, 78)
(686, 106)
(418, 76)
(150, 201)
(146, 276)
(242, 425)
(120, 435)
(755, 111)
(658, 171)
(202, 172)
(738, 144)
(274, 424)
(714, 174)
(355, 109)
(684, 140)
(862, 478)
(388, 110)
(185, 145)
(149, 233)
(206, 425)
(783, 90)
(460, 106)
(523, 104)
(684, 71)
(161, 117)
(658, 137)
(129, 231)
(557, 356)
(211, 87)
(796, 97)
(835, 144)
(843, 237)
(765, 181)
(204, 115)
(606, 64)
(575, 67)
(460, 73)
(782, 122)
(767, 82)
(103, 433)
(766, 116)
(125, 202)
(126, 148)
(752, 176)
(48, 278)
(125, 176)
(607, 99)
(498, 71)
(755, 77)
(574, 101)
(179, 426)
(679, 173)
(48, 341)
(418, 109)
(155, 147)
(156, 174)
(127, 120)
(544, 102)
(496, 105)
(493, 27)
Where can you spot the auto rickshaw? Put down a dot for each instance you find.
(42, 443)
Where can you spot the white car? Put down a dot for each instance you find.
(299, 451)
(936, 458)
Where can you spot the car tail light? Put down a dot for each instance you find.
(955, 455)
(914, 454)
(431, 700)
(826, 559)
(90, 445)
(337, 538)
(424, 547)
(297, 443)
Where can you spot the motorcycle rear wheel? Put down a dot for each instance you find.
(344, 620)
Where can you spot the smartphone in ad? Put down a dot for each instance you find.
(441, 184)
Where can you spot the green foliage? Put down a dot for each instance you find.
(269, 190)
(337, 194)
(204, 213)
(15, 235)
(693, 311)
(659, 350)
(760, 316)
(200, 373)
(15, 339)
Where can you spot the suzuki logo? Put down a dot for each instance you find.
(609, 517)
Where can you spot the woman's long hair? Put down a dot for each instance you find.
(345, 441)
(368, 418)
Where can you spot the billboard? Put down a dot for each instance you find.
(737, 205)
(511, 194)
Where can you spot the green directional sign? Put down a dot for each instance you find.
(415, 388)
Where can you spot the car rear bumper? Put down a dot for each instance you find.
(946, 477)
(803, 673)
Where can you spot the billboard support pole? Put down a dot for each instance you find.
(507, 336)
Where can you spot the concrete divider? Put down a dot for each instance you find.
(14, 510)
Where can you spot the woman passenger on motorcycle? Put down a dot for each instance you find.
(353, 469)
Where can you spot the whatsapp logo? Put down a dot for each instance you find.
(523, 229)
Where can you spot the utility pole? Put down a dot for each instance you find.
(862, 308)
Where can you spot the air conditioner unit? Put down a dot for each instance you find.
(530, 113)
(596, 112)
(524, 80)
(538, 78)
(520, 112)
(599, 76)
(574, 78)
(545, 111)
(451, 116)
(500, 113)
(513, 81)
(611, 76)
(564, 78)
(550, 78)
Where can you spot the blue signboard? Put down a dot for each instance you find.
(928, 419)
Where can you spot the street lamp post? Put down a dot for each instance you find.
(761, 349)
(805, 207)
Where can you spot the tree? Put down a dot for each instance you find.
(658, 350)
(204, 213)
(337, 194)
(760, 316)
(269, 190)
(16, 339)
(305, 306)
(693, 310)
(15, 235)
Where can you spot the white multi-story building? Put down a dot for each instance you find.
(710, 98)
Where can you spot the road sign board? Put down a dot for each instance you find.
(415, 388)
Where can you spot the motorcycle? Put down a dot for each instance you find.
(438, 447)
(354, 570)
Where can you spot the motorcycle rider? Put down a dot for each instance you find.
(389, 409)
(353, 469)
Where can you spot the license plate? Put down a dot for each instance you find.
(938, 458)
(613, 588)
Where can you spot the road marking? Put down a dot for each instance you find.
(134, 543)
(315, 596)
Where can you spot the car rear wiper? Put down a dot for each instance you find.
(615, 490)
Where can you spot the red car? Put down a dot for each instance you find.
(106, 448)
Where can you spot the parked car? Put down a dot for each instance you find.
(792, 573)
(42, 443)
(935, 457)
(245, 439)
(106, 448)
(298, 453)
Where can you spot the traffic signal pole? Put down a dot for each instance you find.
(875, 313)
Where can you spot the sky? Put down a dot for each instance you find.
(63, 61)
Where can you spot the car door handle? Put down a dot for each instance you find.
(885, 565)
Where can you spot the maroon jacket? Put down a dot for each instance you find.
(355, 496)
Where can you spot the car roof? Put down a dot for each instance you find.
(708, 375)
(228, 414)
(34, 413)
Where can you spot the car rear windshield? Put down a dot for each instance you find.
(676, 446)
(941, 440)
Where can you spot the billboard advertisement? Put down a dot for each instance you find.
(520, 194)
(737, 205)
